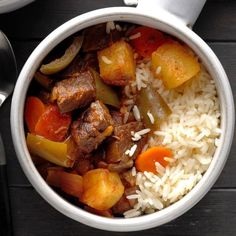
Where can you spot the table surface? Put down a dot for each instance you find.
(214, 215)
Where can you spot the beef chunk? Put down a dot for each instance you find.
(121, 206)
(92, 127)
(80, 64)
(45, 96)
(125, 204)
(128, 179)
(122, 166)
(98, 157)
(75, 92)
(83, 165)
(117, 118)
(96, 38)
(122, 141)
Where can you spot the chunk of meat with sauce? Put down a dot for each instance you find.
(121, 206)
(128, 179)
(121, 141)
(117, 117)
(122, 166)
(90, 161)
(96, 38)
(83, 165)
(98, 157)
(125, 204)
(75, 92)
(92, 127)
(80, 64)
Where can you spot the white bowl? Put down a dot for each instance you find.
(11, 5)
(170, 24)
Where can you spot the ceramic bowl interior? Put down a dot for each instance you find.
(164, 24)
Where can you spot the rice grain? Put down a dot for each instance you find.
(106, 60)
(136, 113)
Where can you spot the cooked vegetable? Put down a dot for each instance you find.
(146, 40)
(104, 92)
(43, 80)
(146, 160)
(177, 64)
(102, 189)
(54, 176)
(34, 108)
(61, 63)
(152, 107)
(71, 184)
(55, 152)
(52, 124)
(116, 63)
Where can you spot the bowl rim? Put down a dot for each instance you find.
(165, 23)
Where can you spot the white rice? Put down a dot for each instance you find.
(191, 132)
(138, 135)
(143, 131)
(118, 27)
(135, 136)
(136, 113)
(160, 169)
(110, 25)
(158, 70)
(132, 150)
(135, 36)
(133, 171)
(151, 117)
(127, 152)
(106, 60)
(168, 159)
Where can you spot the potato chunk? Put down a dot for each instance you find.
(116, 63)
(102, 189)
(177, 64)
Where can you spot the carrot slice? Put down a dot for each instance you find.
(146, 40)
(34, 108)
(52, 124)
(146, 160)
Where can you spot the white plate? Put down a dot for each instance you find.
(11, 5)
